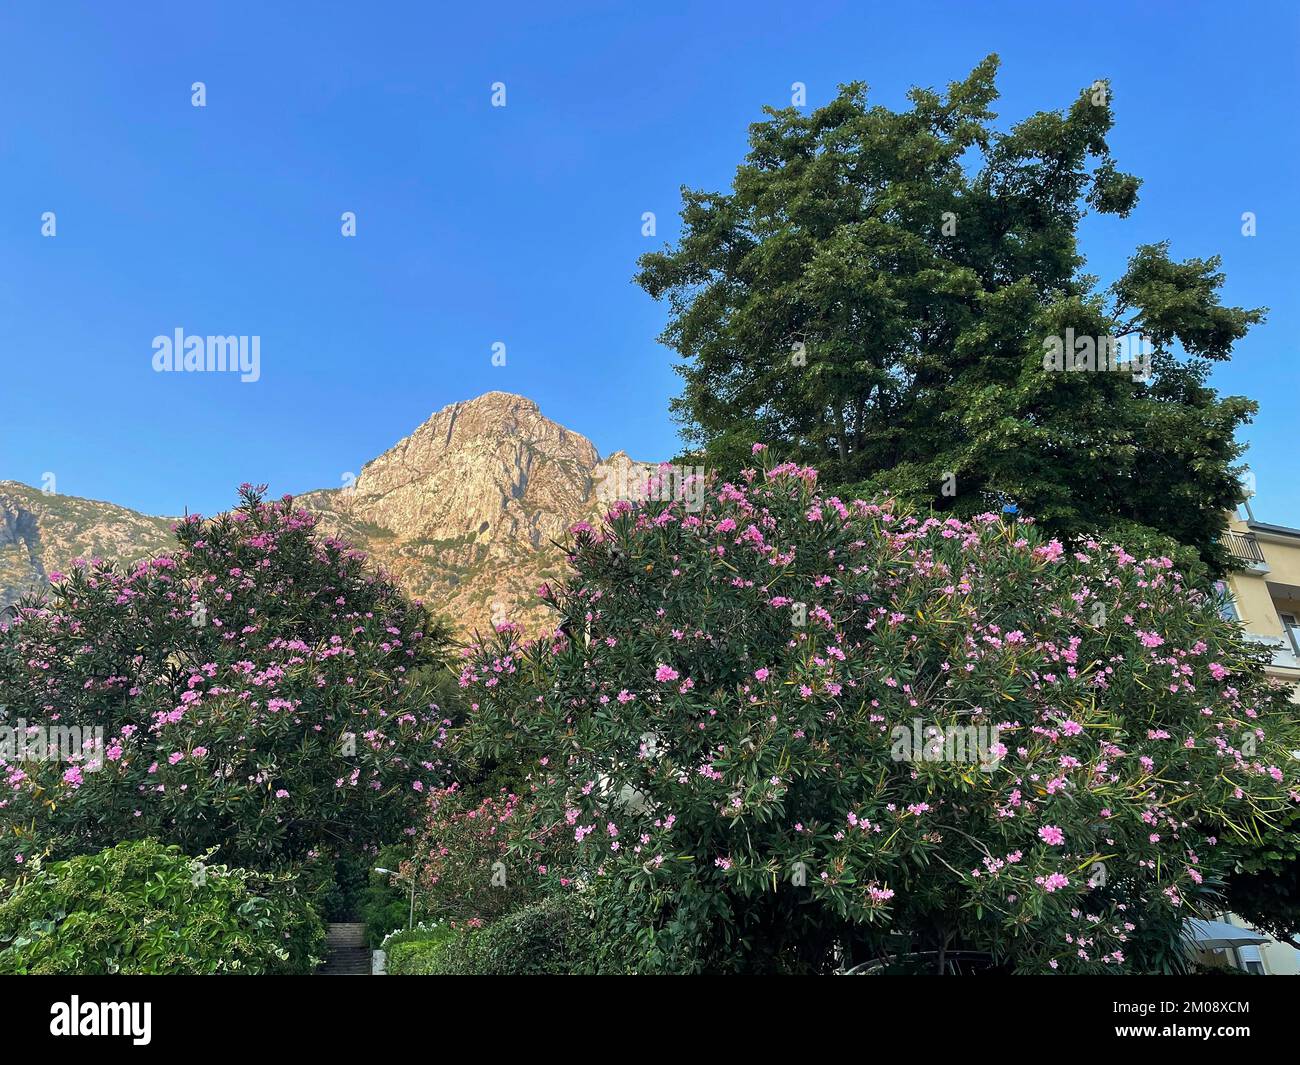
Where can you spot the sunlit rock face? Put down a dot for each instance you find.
(464, 512)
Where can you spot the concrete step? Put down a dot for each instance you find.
(346, 953)
(346, 934)
(346, 962)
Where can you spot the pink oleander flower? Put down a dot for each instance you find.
(1052, 883)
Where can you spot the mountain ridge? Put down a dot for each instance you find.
(461, 512)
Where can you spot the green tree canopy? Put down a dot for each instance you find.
(880, 290)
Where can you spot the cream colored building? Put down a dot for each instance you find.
(1265, 587)
(1265, 590)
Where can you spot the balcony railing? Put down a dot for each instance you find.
(1243, 549)
(1284, 656)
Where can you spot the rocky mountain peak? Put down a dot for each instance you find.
(466, 508)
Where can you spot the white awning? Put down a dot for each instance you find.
(1222, 934)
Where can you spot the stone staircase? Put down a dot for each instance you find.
(346, 953)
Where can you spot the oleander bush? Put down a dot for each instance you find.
(145, 908)
(790, 733)
(258, 690)
(471, 855)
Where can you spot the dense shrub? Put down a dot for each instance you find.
(142, 907)
(800, 733)
(257, 690)
(550, 937)
(411, 952)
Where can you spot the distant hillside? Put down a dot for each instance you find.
(461, 512)
(40, 534)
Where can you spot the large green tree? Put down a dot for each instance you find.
(879, 289)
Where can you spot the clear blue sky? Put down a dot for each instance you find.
(522, 225)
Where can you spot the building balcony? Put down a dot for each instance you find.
(1284, 656)
(1245, 551)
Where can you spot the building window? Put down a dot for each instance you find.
(1228, 608)
(1292, 630)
